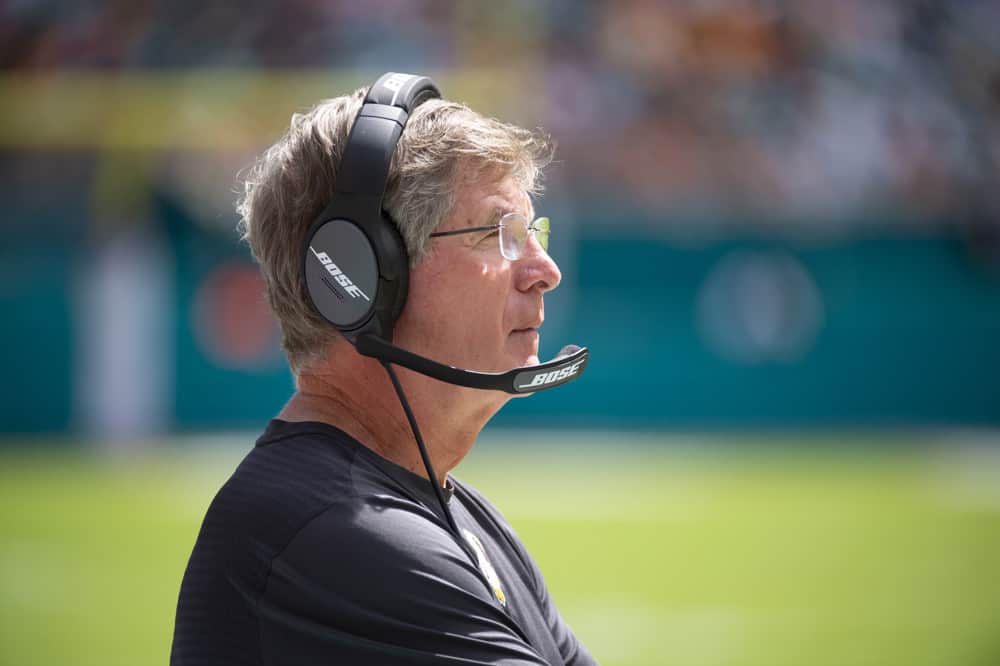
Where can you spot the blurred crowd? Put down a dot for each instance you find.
(816, 113)
(820, 176)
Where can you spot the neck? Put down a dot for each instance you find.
(354, 393)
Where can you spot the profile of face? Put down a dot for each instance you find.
(468, 305)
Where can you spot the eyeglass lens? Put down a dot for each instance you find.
(514, 230)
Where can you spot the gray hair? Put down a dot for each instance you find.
(444, 146)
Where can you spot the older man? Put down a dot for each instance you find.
(342, 538)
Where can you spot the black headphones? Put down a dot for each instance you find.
(355, 262)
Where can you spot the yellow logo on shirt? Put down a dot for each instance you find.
(485, 565)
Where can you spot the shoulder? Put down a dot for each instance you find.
(277, 488)
(379, 577)
(375, 552)
(281, 484)
(317, 549)
(330, 518)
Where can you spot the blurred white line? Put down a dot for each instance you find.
(699, 637)
(969, 475)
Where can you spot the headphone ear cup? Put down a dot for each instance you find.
(342, 276)
(356, 282)
(395, 263)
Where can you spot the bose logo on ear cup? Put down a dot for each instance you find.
(352, 289)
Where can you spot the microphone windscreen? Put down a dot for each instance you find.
(567, 351)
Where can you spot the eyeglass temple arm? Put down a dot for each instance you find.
(455, 232)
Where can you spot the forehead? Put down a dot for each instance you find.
(481, 201)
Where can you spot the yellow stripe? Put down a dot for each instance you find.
(203, 109)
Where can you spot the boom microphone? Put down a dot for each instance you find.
(565, 367)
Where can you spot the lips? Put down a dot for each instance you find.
(527, 330)
(529, 325)
(528, 318)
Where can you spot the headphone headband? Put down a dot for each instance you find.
(364, 167)
(406, 91)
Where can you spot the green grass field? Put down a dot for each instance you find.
(659, 550)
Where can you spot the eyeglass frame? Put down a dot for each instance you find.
(530, 228)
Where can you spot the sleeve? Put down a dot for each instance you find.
(382, 587)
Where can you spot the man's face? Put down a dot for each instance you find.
(468, 306)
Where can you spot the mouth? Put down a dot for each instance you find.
(523, 345)
(532, 326)
(527, 335)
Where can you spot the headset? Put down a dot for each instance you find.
(356, 267)
(355, 262)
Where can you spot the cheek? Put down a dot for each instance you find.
(456, 306)
(481, 300)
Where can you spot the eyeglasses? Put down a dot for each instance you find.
(514, 232)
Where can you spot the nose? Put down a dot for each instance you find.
(536, 269)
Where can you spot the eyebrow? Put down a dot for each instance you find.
(493, 220)
(498, 212)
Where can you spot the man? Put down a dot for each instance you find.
(339, 539)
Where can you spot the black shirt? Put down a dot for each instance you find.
(317, 550)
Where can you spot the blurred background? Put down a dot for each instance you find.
(779, 230)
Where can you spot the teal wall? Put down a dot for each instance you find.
(36, 336)
(910, 334)
(904, 331)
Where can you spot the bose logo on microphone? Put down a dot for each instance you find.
(338, 275)
(544, 378)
